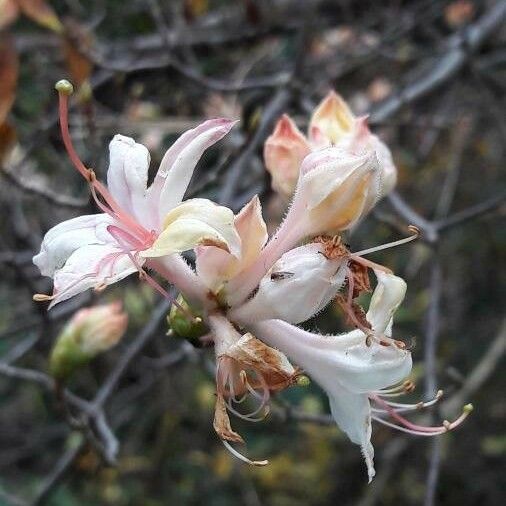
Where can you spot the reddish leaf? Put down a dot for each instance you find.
(75, 46)
(8, 75)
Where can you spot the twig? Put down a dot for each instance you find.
(470, 213)
(459, 48)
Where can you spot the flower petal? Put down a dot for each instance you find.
(284, 151)
(273, 365)
(362, 141)
(352, 413)
(88, 267)
(331, 120)
(196, 222)
(387, 296)
(66, 237)
(301, 283)
(127, 176)
(215, 265)
(176, 168)
(344, 358)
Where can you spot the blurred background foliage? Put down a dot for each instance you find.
(152, 69)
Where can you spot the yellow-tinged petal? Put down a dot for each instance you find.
(196, 222)
(331, 120)
(216, 265)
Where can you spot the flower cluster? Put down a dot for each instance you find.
(248, 291)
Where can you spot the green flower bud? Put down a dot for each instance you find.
(90, 331)
(183, 325)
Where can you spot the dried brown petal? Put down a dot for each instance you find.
(221, 422)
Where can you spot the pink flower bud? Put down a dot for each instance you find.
(284, 151)
(89, 332)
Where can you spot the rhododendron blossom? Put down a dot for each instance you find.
(248, 291)
(138, 222)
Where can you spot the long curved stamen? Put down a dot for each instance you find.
(120, 236)
(400, 407)
(415, 234)
(421, 428)
(241, 457)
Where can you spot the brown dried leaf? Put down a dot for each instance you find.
(40, 12)
(7, 140)
(221, 422)
(74, 49)
(8, 75)
(9, 11)
(459, 13)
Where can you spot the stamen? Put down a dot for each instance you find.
(120, 235)
(241, 457)
(420, 428)
(415, 235)
(402, 408)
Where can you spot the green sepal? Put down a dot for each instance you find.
(183, 326)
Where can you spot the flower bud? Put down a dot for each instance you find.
(337, 187)
(183, 325)
(332, 125)
(284, 151)
(90, 331)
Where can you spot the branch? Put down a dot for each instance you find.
(459, 48)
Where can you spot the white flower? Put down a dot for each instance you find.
(344, 365)
(138, 222)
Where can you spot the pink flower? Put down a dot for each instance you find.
(332, 125)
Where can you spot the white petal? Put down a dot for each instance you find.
(178, 164)
(196, 222)
(127, 176)
(88, 267)
(352, 413)
(343, 358)
(301, 283)
(387, 296)
(63, 239)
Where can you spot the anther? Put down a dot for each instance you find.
(447, 425)
(409, 386)
(42, 297)
(414, 230)
(100, 287)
